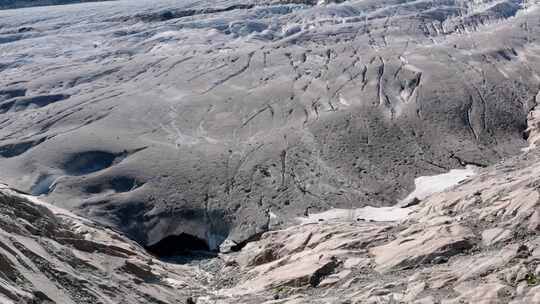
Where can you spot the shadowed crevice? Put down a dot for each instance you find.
(176, 245)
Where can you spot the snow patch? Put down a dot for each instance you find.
(374, 214)
(428, 185)
(175, 283)
(343, 101)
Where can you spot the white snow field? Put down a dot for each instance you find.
(428, 185)
(375, 214)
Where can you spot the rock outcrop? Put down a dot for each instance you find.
(49, 255)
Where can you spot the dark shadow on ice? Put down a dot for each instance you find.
(88, 162)
(16, 149)
(183, 248)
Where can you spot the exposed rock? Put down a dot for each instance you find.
(140, 270)
(431, 245)
(48, 255)
(495, 235)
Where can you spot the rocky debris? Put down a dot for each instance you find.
(493, 236)
(308, 255)
(140, 270)
(48, 256)
(433, 244)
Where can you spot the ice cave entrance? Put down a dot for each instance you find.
(177, 245)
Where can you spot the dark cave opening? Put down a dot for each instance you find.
(239, 246)
(178, 245)
(88, 162)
